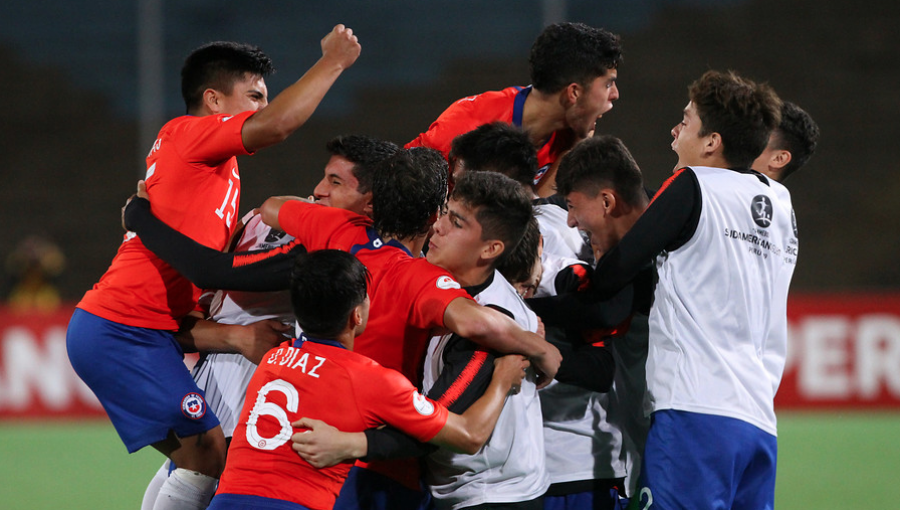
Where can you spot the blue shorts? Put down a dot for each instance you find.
(246, 502)
(365, 489)
(701, 461)
(139, 376)
(599, 499)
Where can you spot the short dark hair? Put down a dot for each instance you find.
(497, 147)
(408, 190)
(798, 134)
(219, 65)
(601, 161)
(364, 152)
(567, 53)
(744, 113)
(502, 207)
(519, 263)
(326, 285)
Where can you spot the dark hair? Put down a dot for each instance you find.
(326, 285)
(744, 113)
(601, 161)
(519, 263)
(502, 207)
(408, 190)
(798, 134)
(567, 53)
(497, 147)
(364, 152)
(218, 65)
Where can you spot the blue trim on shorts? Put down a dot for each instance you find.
(365, 489)
(139, 376)
(248, 502)
(701, 461)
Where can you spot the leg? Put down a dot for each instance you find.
(201, 459)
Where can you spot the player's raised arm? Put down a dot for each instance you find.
(292, 107)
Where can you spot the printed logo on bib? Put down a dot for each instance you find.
(422, 405)
(446, 283)
(794, 223)
(761, 209)
(193, 406)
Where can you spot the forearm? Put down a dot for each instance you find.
(200, 335)
(292, 107)
(469, 431)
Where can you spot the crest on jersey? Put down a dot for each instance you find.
(446, 283)
(193, 406)
(761, 209)
(540, 173)
(422, 405)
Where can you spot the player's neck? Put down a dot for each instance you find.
(542, 115)
(413, 244)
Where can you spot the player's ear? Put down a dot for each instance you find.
(781, 158)
(608, 199)
(211, 100)
(492, 249)
(571, 93)
(713, 143)
(367, 209)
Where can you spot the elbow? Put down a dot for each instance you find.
(472, 443)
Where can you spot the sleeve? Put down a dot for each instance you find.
(588, 366)
(455, 120)
(211, 139)
(434, 289)
(582, 310)
(205, 267)
(315, 225)
(669, 221)
(467, 373)
(394, 401)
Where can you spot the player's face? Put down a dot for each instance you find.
(595, 100)
(338, 188)
(687, 143)
(456, 244)
(249, 94)
(591, 215)
(527, 288)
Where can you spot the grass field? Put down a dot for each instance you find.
(841, 461)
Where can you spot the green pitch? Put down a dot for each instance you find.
(840, 460)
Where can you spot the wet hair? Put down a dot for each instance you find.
(502, 207)
(744, 113)
(798, 134)
(497, 147)
(408, 190)
(519, 263)
(365, 152)
(567, 53)
(326, 285)
(219, 65)
(599, 162)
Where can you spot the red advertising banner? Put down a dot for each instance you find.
(843, 352)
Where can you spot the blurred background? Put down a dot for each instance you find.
(87, 85)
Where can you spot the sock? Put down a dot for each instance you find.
(185, 490)
(153, 487)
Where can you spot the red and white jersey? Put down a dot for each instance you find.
(718, 325)
(194, 186)
(316, 379)
(511, 466)
(470, 112)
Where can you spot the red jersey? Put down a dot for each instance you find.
(408, 295)
(470, 112)
(322, 380)
(194, 186)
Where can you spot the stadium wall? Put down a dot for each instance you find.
(843, 353)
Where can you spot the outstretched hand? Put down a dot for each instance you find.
(341, 46)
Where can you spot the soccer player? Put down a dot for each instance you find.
(573, 83)
(410, 295)
(132, 312)
(224, 376)
(319, 376)
(486, 216)
(790, 145)
(725, 243)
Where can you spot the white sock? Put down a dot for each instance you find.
(185, 490)
(153, 487)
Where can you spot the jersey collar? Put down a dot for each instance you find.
(298, 342)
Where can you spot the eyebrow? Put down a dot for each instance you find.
(459, 216)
